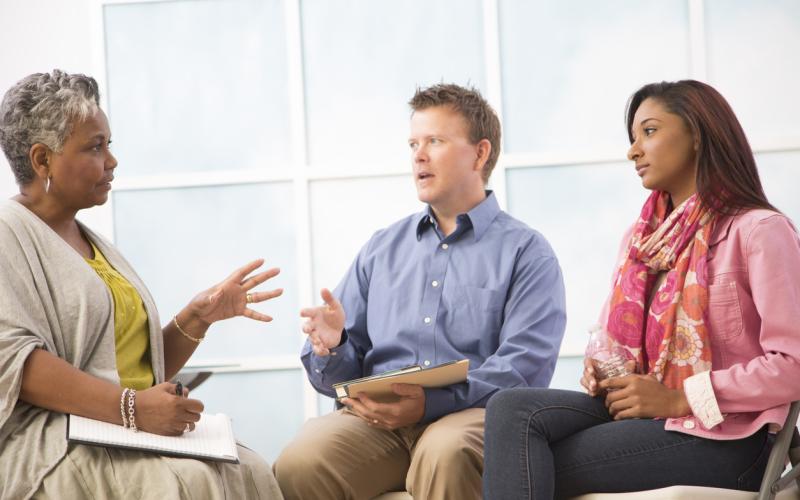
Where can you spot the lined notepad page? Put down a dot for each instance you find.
(212, 437)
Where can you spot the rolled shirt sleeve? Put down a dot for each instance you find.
(700, 394)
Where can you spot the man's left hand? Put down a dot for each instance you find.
(409, 410)
(642, 396)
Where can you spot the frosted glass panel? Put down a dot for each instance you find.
(346, 213)
(583, 212)
(780, 177)
(8, 186)
(752, 60)
(251, 400)
(182, 241)
(324, 404)
(197, 85)
(567, 374)
(568, 68)
(363, 60)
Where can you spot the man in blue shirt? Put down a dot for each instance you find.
(463, 279)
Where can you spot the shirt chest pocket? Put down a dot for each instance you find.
(483, 307)
(724, 311)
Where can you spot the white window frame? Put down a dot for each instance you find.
(301, 175)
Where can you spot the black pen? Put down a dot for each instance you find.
(179, 389)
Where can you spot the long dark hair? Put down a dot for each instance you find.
(727, 177)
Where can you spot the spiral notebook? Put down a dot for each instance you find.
(212, 438)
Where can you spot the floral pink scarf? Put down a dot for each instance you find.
(674, 344)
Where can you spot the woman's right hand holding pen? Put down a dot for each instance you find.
(159, 410)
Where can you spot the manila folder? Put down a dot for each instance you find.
(379, 387)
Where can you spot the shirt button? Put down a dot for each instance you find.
(445, 246)
(316, 370)
(333, 354)
(688, 424)
(427, 319)
(434, 283)
(426, 363)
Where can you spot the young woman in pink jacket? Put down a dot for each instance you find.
(706, 299)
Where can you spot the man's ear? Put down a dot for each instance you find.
(484, 150)
(39, 155)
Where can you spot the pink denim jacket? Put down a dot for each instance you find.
(754, 324)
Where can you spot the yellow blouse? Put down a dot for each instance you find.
(131, 331)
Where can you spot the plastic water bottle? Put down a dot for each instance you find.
(610, 359)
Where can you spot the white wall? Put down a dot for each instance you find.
(39, 36)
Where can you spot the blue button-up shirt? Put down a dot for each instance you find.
(491, 292)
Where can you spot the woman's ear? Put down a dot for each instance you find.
(39, 156)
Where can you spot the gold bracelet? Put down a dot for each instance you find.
(193, 339)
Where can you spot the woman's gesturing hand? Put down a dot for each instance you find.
(160, 411)
(231, 297)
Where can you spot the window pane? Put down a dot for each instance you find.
(363, 61)
(197, 85)
(325, 404)
(567, 374)
(354, 208)
(183, 241)
(266, 407)
(583, 211)
(8, 187)
(753, 62)
(569, 67)
(780, 176)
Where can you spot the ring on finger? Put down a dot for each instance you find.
(249, 298)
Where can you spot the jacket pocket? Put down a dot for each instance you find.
(724, 312)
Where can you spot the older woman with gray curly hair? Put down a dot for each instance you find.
(79, 332)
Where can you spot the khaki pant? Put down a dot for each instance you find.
(338, 456)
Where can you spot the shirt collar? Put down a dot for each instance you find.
(481, 216)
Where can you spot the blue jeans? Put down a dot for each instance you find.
(549, 443)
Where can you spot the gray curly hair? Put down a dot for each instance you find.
(41, 108)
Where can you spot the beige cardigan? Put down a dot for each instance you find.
(51, 299)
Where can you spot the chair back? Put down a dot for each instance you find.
(787, 444)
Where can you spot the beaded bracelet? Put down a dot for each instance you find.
(122, 407)
(132, 410)
(193, 339)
